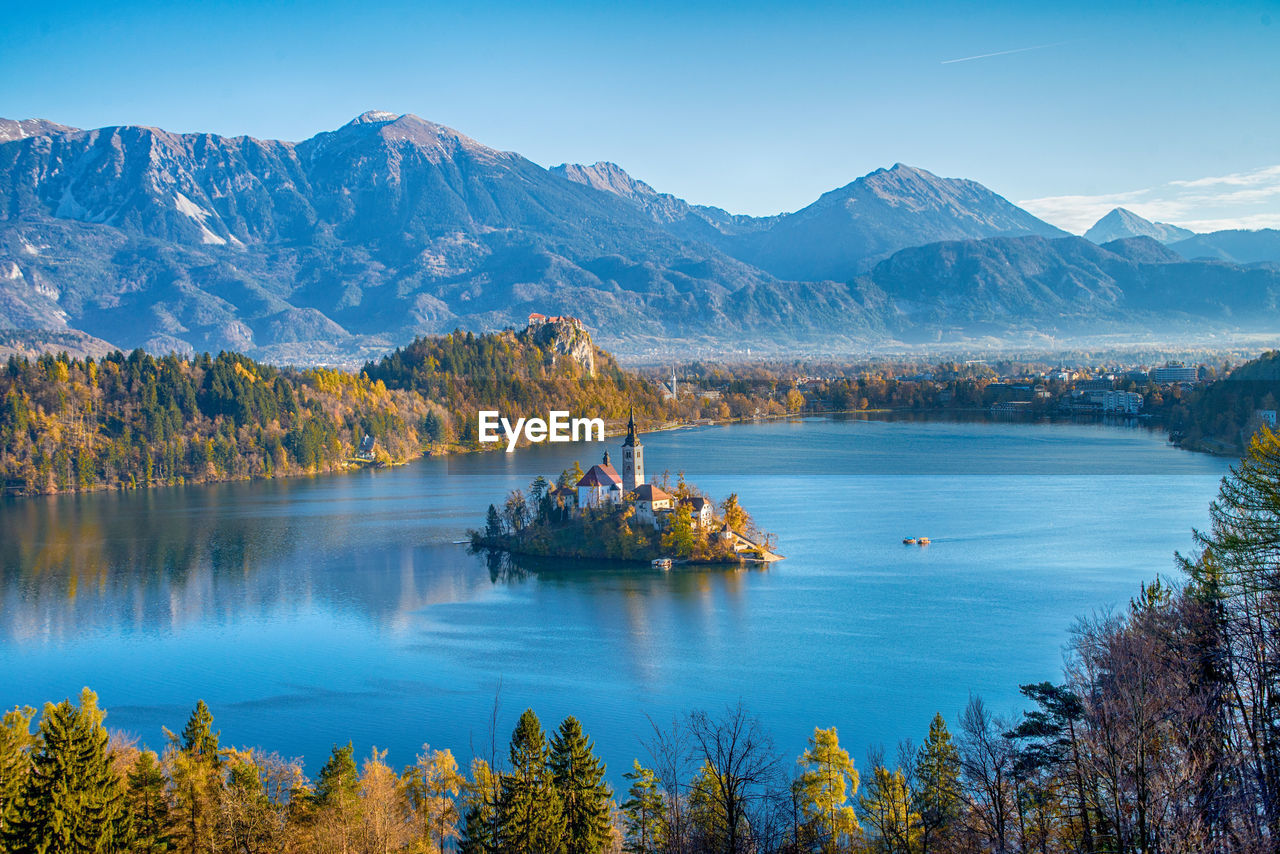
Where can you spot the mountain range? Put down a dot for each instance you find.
(343, 245)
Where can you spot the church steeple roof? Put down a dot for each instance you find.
(631, 439)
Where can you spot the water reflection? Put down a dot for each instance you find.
(161, 560)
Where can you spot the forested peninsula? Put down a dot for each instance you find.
(137, 420)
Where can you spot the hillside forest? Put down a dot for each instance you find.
(136, 420)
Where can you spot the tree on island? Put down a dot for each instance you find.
(570, 477)
(516, 511)
(679, 539)
(493, 523)
(734, 516)
(538, 490)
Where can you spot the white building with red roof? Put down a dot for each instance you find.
(600, 485)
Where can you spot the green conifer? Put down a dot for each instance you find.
(579, 779)
(71, 802)
(643, 813)
(937, 776)
(530, 814)
(194, 767)
(493, 524)
(148, 806)
(339, 781)
(16, 743)
(198, 737)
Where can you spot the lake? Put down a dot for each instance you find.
(313, 611)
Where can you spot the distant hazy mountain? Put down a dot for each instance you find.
(1121, 223)
(849, 229)
(1237, 246)
(1071, 285)
(346, 244)
(841, 234)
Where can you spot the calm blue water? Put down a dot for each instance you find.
(312, 611)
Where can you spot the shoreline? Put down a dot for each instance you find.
(458, 450)
(485, 544)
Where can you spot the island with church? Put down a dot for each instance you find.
(602, 514)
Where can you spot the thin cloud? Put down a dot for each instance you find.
(1001, 53)
(1240, 200)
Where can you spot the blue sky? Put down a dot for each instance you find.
(756, 107)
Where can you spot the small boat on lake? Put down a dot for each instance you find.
(909, 541)
(661, 563)
(922, 541)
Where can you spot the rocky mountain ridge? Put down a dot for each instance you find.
(338, 247)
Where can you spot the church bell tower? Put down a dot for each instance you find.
(632, 456)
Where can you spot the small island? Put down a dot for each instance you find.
(604, 515)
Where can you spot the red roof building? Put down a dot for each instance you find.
(599, 485)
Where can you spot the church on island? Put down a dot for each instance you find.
(612, 513)
(603, 485)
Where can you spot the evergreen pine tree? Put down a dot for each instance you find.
(338, 779)
(194, 767)
(198, 737)
(530, 814)
(148, 806)
(71, 802)
(16, 744)
(937, 779)
(643, 812)
(538, 490)
(337, 800)
(579, 779)
(493, 523)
